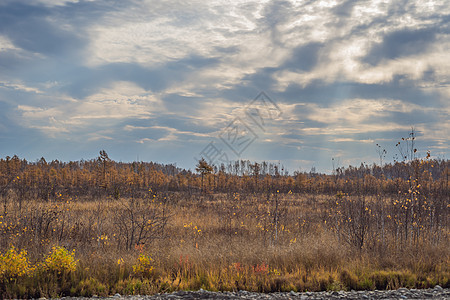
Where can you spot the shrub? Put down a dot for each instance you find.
(89, 287)
(14, 264)
(348, 280)
(60, 261)
(143, 266)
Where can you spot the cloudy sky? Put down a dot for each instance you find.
(170, 81)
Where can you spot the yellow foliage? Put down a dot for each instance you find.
(143, 266)
(14, 264)
(60, 260)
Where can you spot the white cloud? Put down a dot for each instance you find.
(120, 100)
(18, 86)
(6, 44)
(97, 136)
(353, 112)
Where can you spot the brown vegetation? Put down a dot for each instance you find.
(144, 228)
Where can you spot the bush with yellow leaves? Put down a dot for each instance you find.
(143, 266)
(14, 264)
(60, 261)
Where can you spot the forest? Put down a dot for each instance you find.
(100, 227)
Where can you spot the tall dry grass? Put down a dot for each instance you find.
(259, 242)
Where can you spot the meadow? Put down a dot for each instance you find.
(100, 227)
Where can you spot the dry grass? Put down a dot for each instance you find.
(215, 242)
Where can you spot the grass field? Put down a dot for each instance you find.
(257, 242)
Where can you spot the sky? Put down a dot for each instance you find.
(304, 83)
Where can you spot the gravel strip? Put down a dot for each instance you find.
(436, 293)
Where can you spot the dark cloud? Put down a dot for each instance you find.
(408, 118)
(243, 92)
(183, 123)
(83, 81)
(304, 58)
(227, 50)
(10, 60)
(344, 9)
(262, 79)
(401, 43)
(324, 93)
(30, 28)
(276, 12)
(177, 104)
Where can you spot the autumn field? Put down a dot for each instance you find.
(100, 227)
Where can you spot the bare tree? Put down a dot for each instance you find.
(141, 220)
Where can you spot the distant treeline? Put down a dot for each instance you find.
(104, 177)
